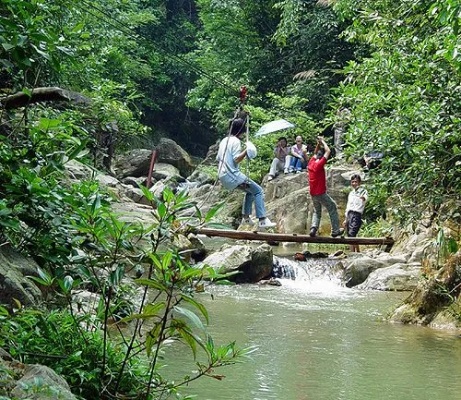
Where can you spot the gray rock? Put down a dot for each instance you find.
(170, 152)
(398, 277)
(78, 171)
(134, 163)
(42, 383)
(253, 264)
(201, 177)
(390, 259)
(166, 171)
(136, 182)
(358, 269)
(14, 268)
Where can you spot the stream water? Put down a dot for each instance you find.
(317, 340)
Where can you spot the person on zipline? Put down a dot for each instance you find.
(230, 155)
(318, 190)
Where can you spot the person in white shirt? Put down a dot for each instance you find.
(355, 207)
(281, 161)
(230, 155)
(298, 156)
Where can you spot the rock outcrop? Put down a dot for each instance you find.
(288, 204)
(249, 264)
(14, 282)
(31, 381)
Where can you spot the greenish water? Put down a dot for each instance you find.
(319, 341)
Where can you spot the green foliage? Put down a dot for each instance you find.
(32, 166)
(81, 244)
(399, 103)
(446, 246)
(32, 48)
(309, 35)
(376, 227)
(99, 361)
(54, 338)
(288, 53)
(233, 50)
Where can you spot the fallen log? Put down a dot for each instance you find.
(42, 94)
(293, 237)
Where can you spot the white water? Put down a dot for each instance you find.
(314, 276)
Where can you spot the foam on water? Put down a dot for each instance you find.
(314, 276)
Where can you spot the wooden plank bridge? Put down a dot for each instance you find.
(388, 242)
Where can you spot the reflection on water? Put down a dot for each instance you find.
(318, 340)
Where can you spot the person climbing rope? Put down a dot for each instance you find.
(230, 155)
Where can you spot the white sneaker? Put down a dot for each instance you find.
(246, 224)
(266, 223)
(286, 171)
(269, 178)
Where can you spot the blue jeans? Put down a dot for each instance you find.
(253, 194)
(330, 205)
(297, 164)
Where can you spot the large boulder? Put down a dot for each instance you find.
(167, 171)
(14, 281)
(33, 382)
(398, 277)
(170, 152)
(253, 264)
(288, 201)
(208, 196)
(358, 270)
(137, 162)
(291, 212)
(210, 158)
(133, 163)
(41, 383)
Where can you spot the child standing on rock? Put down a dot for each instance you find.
(356, 201)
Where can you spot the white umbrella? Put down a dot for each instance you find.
(274, 126)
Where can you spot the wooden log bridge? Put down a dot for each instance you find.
(293, 237)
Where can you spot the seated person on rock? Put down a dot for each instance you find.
(281, 161)
(298, 154)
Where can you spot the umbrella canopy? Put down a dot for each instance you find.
(274, 126)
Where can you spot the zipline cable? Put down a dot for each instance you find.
(118, 25)
(114, 22)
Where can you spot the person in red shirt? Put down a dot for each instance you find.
(318, 190)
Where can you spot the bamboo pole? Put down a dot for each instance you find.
(293, 237)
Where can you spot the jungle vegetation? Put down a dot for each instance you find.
(148, 69)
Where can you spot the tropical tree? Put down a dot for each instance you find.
(285, 50)
(313, 50)
(404, 101)
(69, 229)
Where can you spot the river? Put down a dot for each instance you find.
(317, 340)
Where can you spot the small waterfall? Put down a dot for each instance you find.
(316, 274)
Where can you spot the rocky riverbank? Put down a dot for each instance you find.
(288, 204)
